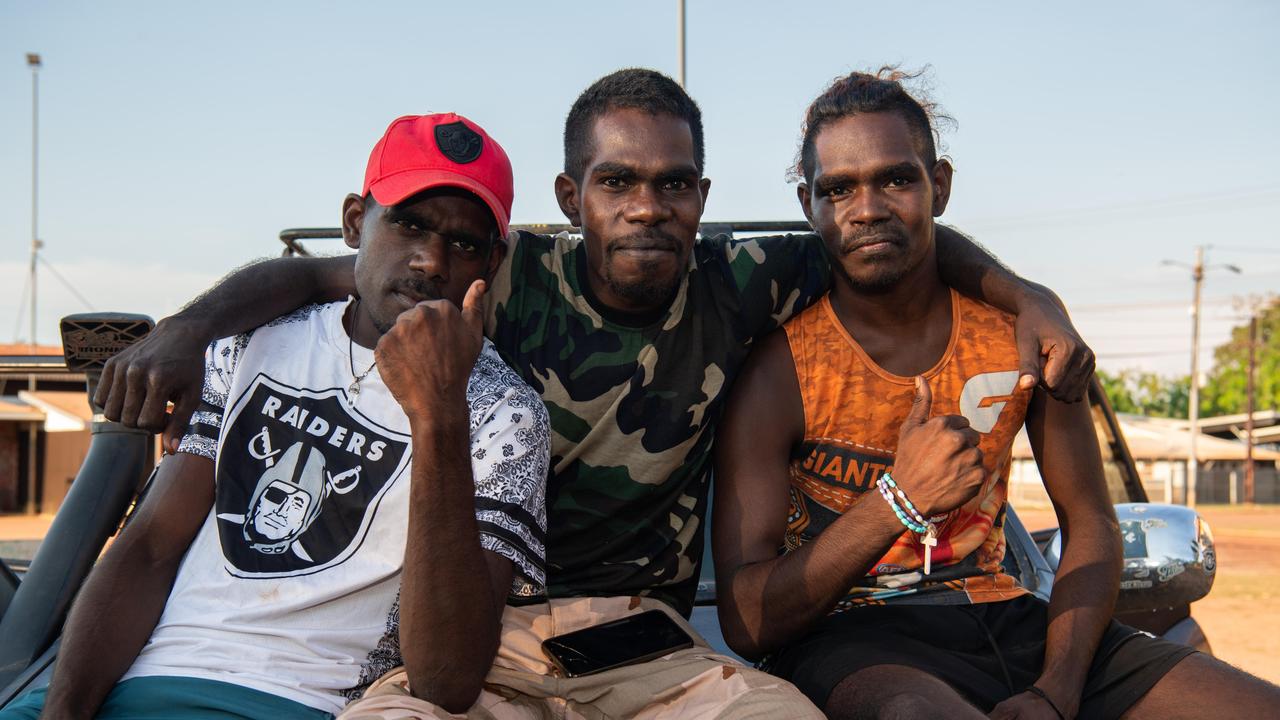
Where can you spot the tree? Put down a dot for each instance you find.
(1225, 388)
(1146, 393)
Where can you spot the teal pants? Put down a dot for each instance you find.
(157, 698)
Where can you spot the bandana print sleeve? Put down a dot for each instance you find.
(510, 452)
(220, 361)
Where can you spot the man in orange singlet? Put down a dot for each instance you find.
(862, 467)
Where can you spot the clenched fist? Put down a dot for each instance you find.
(939, 464)
(426, 358)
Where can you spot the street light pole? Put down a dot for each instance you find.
(33, 61)
(680, 40)
(33, 433)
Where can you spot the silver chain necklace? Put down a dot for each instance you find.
(353, 390)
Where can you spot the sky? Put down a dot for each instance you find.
(1093, 140)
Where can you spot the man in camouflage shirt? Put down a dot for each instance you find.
(632, 334)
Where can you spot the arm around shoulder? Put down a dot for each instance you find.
(166, 366)
(1050, 351)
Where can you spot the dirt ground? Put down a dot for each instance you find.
(20, 535)
(1241, 615)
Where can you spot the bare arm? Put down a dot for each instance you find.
(1084, 591)
(452, 592)
(1050, 351)
(122, 600)
(767, 600)
(450, 609)
(167, 365)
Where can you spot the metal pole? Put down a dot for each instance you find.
(33, 61)
(680, 41)
(1248, 422)
(1193, 463)
(33, 430)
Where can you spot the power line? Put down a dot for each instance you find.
(1248, 249)
(1155, 305)
(1140, 336)
(48, 266)
(1131, 321)
(1177, 205)
(1122, 355)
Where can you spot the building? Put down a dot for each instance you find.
(1161, 448)
(44, 433)
(1266, 427)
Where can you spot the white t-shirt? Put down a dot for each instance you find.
(292, 585)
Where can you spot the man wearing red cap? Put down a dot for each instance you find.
(268, 573)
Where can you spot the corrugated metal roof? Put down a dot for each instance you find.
(12, 409)
(1165, 439)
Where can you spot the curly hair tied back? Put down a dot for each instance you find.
(859, 93)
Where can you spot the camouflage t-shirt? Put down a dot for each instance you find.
(634, 402)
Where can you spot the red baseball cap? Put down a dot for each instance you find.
(419, 152)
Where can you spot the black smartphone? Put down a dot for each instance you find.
(633, 639)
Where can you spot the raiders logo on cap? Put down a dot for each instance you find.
(458, 142)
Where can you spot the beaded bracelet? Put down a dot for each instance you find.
(910, 517)
(911, 509)
(902, 517)
(905, 511)
(914, 524)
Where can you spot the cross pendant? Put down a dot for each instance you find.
(929, 540)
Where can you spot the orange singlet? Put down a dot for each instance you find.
(853, 410)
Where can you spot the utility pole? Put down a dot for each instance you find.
(680, 40)
(33, 61)
(1197, 279)
(1193, 463)
(1248, 422)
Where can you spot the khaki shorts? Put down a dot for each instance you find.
(690, 683)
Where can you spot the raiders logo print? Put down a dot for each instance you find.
(458, 142)
(300, 490)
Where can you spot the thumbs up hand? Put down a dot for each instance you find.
(426, 358)
(939, 464)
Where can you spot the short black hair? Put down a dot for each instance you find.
(638, 88)
(859, 93)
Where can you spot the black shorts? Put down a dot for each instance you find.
(987, 652)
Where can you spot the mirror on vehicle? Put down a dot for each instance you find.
(89, 340)
(1169, 556)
